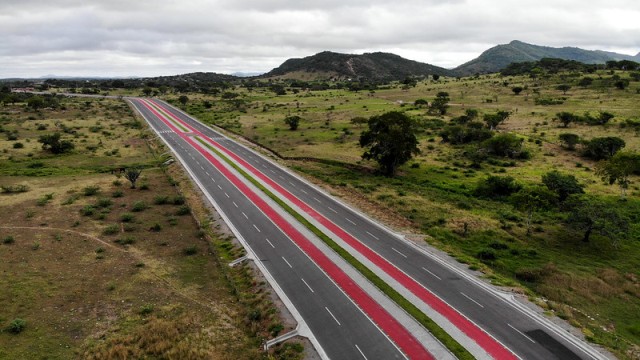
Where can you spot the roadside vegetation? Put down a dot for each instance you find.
(106, 254)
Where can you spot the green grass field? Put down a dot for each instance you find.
(594, 286)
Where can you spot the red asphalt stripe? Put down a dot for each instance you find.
(401, 336)
(488, 343)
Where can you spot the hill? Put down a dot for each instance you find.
(498, 57)
(376, 66)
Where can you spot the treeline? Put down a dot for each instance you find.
(553, 66)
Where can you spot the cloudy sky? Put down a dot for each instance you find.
(165, 37)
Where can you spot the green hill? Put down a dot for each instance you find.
(376, 66)
(499, 57)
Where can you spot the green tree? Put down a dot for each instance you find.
(585, 81)
(505, 145)
(517, 90)
(132, 174)
(293, 122)
(420, 103)
(183, 99)
(569, 140)
(493, 120)
(440, 104)
(564, 88)
(390, 140)
(497, 187)
(359, 121)
(593, 215)
(604, 147)
(618, 169)
(566, 118)
(53, 143)
(562, 185)
(147, 91)
(36, 102)
(532, 199)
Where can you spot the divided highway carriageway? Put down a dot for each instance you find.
(343, 315)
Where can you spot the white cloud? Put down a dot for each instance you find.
(160, 37)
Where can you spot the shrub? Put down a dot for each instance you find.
(91, 190)
(126, 217)
(146, 309)
(127, 240)
(16, 326)
(88, 210)
(161, 200)
(104, 202)
(190, 250)
(111, 229)
(139, 206)
(183, 210)
(178, 200)
(505, 145)
(8, 240)
(603, 148)
(18, 145)
(117, 194)
(497, 186)
(155, 227)
(487, 254)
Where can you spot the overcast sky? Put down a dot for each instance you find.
(166, 37)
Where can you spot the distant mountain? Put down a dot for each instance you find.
(498, 57)
(376, 66)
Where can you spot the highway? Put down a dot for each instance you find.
(499, 325)
(345, 327)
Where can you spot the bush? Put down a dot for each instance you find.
(111, 229)
(91, 190)
(161, 200)
(139, 206)
(155, 227)
(183, 210)
(487, 254)
(8, 240)
(117, 194)
(127, 240)
(104, 202)
(505, 145)
(88, 210)
(497, 186)
(16, 326)
(178, 200)
(18, 145)
(127, 217)
(191, 250)
(603, 148)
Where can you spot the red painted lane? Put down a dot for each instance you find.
(401, 336)
(488, 343)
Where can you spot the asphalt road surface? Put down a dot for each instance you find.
(501, 326)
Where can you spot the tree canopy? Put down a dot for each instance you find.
(390, 140)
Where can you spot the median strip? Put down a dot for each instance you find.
(449, 342)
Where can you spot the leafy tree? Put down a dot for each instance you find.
(618, 169)
(460, 134)
(591, 215)
(569, 140)
(531, 199)
(359, 121)
(603, 148)
(566, 118)
(562, 185)
(183, 99)
(147, 91)
(132, 174)
(440, 104)
(52, 142)
(564, 88)
(585, 81)
(390, 140)
(293, 122)
(505, 145)
(621, 84)
(517, 90)
(36, 102)
(435, 77)
(497, 187)
(493, 120)
(421, 102)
